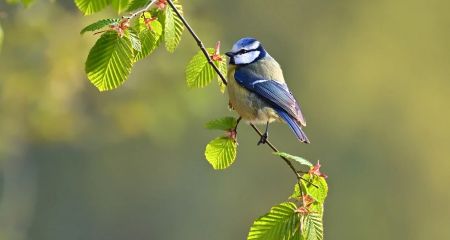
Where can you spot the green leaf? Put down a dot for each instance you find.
(296, 194)
(136, 4)
(280, 223)
(221, 152)
(1, 37)
(149, 38)
(223, 68)
(109, 61)
(100, 24)
(294, 158)
(225, 123)
(89, 7)
(199, 73)
(173, 27)
(120, 5)
(316, 206)
(297, 235)
(312, 227)
(319, 191)
(135, 40)
(139, 25)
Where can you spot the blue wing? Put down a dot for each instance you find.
(293, 125)
(272, 91)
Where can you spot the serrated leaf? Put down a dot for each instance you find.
(294, 158)
(316, 207)
(296, 194)
(136, 4)
(100, 24)
(297, 235)
(173, 27)
(135, 40)
(149, 38)
(139, 25)
(109, 61)
(89, 7)
(308, 189)
(226, 123)
(221, 152)
(199, 73)
(120, 5)
(280, 223)
(319, 191)
(312, 227)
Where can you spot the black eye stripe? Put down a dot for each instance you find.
(243, 51)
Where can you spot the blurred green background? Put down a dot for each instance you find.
(372, 78)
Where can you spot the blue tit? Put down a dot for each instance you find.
(257, 90)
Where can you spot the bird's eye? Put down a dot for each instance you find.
(243, 51)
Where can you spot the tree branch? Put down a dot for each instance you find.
(199, 42)
(203, 49)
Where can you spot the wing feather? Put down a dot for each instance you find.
(273, 92)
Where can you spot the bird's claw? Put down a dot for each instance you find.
(263, 139)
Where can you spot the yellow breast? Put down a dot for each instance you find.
(247, 104)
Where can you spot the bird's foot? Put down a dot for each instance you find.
(263, 139)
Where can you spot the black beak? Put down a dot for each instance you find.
(230, 54)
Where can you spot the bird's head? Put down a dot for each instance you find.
(246, 51)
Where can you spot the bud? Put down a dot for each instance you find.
(216, 56)
(316, 170)
(148, 22)
(161, 4)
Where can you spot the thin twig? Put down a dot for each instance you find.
(224, 80)
(289, 163)
(145, 9)
(199, 42)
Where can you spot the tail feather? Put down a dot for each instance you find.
(294, 126)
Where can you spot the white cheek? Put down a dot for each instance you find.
(246, 58)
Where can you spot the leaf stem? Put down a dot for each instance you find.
(203, 49)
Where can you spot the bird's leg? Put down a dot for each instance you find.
(264, 137)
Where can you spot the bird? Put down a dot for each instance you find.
(257, 90)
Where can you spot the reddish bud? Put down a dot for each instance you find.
(120, 28)
(216, 56)
(161, 4)
(148, 22)
(307, 200)
(302, 210)
(316, 170)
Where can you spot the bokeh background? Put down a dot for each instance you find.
(372, 78)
